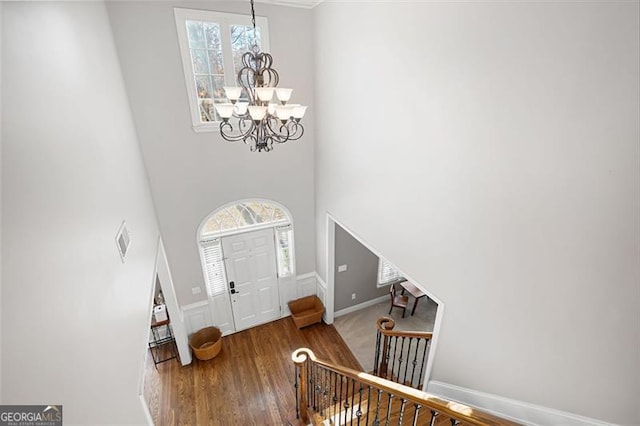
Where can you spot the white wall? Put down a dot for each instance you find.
(1, 24)
(192, 174)
(75, 318)
(504, 137)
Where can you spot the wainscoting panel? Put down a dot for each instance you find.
(287, 288)
(306, 284)
(196, 316)
(321, 291)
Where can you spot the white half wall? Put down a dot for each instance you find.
(74, 316)
(490, 151)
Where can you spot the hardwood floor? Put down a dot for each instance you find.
(249, 383)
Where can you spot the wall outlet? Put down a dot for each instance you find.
(342, 268)
(353, 296)
(195, 290)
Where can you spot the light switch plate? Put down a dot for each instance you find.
(342, 268)
(195, 290)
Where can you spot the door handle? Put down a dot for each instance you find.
(234, 291)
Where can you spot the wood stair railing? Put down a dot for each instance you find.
(401, 356)
(328, 394)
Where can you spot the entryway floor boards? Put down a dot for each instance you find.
(250, 262)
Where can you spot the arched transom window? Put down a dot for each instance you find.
(244, 215)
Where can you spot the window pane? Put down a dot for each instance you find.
(218, 86)
(279, 214)
(211, 226)
(203, 86)
(207, 111)
(215, 61)
(212, 33)
(200, 61)
(238, 216)
(196, 34)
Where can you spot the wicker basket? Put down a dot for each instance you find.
(306, 311)
(206, 343)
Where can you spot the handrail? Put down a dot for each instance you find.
(456, 410)
(385, 326)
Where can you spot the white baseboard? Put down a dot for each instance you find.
(521, 412)
(361, 306)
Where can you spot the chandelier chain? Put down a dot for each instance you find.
(253, 19)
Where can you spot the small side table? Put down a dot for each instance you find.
(160, 345)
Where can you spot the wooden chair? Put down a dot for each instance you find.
(397, 301)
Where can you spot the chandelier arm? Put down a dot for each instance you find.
(296, 127)
(225, 126)
(252, 141)
(277, 136)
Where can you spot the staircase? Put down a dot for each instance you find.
(329, 394)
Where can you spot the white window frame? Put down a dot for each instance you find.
(393, 278)
(225, 20)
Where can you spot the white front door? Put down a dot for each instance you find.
(250, 261)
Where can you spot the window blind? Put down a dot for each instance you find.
(214, 267)
(387, 273)
(284, 237)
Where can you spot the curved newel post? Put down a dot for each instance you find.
(383, 324)
(301, 358)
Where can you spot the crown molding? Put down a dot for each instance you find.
(305, 4)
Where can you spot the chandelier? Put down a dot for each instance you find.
(250, 115)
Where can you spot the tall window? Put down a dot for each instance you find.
(244, 216)
(387, 273)
(211, 46)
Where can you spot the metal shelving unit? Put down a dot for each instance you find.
(162, 345)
